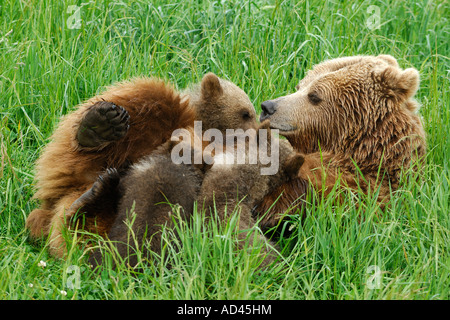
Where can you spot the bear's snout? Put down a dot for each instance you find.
(268, 108)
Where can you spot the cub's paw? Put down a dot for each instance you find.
(105, 186)
(104, 122)
(106, 182)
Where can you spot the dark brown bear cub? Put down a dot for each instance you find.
(147, 195)
(229, 186)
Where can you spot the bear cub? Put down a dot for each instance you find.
(150, 190)
(241, 185)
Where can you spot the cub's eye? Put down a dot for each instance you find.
(246, 115)
(314, 98)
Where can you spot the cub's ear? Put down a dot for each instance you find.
(398, 84)
(293, 164)
(265, 125)
(211, 88)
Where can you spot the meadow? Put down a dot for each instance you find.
(56, 54)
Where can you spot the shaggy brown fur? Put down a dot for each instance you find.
(100, 134)
(354, 110)
(228, 186)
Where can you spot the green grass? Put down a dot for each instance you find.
(265, 47)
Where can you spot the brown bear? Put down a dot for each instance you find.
(351, 116)
(116, 129)
(240, 186)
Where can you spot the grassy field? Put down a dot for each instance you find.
(53, 57)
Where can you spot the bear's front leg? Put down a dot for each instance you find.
(104, 122)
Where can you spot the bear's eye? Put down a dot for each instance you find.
(246, 115)
(314, 98)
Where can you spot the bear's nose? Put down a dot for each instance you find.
(268, 108)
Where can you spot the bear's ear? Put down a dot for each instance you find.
(409, 81)
(399, 83)
(293, 164)
(211, 88)
(389, 59)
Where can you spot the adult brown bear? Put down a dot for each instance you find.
(347, 113)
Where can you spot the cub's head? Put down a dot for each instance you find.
(258, 163)
(222, 105)
(279, 151)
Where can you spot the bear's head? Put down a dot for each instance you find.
(221, 105)
(358, 108)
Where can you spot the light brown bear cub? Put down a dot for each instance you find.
(115, 130)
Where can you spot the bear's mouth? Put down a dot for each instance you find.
(285, 129)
